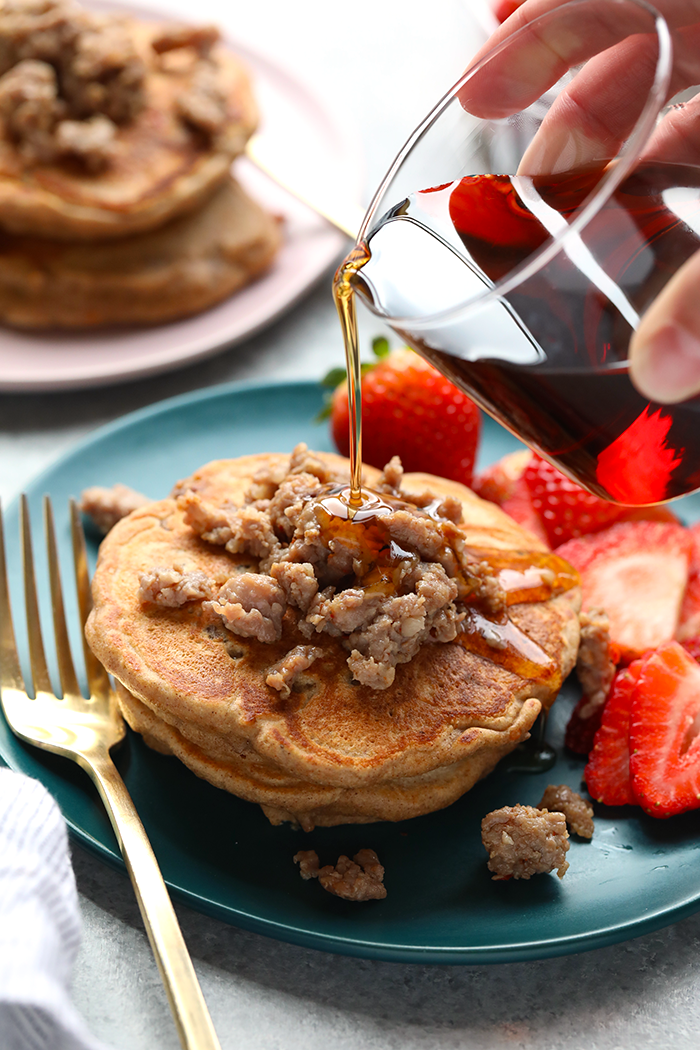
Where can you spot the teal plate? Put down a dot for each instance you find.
(220, 855)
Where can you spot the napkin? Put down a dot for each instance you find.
(39, 923)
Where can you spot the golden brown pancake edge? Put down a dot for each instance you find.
(190, 264)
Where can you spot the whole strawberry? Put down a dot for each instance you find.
(410, 410)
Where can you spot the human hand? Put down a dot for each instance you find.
(589, 122)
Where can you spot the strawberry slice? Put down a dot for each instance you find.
(664, 727)
(519, 507)
(692, 647)
(689, 621)
(607, 774)
(497, 481)
(565, 509)
(547, 503)
(637, 572)
(502, 483)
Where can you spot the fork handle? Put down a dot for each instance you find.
(194, 1025)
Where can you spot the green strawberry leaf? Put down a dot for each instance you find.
(326, 411)
(334, 378)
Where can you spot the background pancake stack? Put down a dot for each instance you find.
(154, 227)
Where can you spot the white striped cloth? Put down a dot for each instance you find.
(39, 923)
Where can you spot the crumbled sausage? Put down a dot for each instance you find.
(284, 674)
(63, 67)
(332, 574)
(522, 841)
(595, 667)
(173, 587)
(307, 859)
(40, 29)
(298, 581)
(391, 478)
(449, 507)
(93, 73)
(172, 37)
(238, 529)
(559, 798)
(105, 73)
(107, 506)
(203, 105)
(30, 108)
(302, 461)
(359, 879)
(213, 524)
(92, 141)
(596, 670)
(285, 506)
(252, 605)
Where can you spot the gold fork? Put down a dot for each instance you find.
(85, 729)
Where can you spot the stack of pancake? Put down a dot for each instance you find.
(160, 232)
(333, 751)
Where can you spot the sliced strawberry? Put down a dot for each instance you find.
(565, 509)
(692, 647)
(502, 483)
(637, 572)
(655, 512)
(519, 506)
(664, 740)
(689, 621)
(607, 774)
(496, 482)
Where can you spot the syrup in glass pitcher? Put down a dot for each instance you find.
(524, 287)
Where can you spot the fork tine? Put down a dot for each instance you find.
(66, 670)
(10, 671)
(98, 680)
(37, 656)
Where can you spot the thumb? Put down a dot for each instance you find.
(664, 354)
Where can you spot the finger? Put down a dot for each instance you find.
(503, 9)
(541, 55)
(664, 353)
(593, 116)
(677, 137)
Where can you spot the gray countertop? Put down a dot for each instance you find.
(398, 59)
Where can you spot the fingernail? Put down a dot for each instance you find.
(667, 366)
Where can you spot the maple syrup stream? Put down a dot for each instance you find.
(344, 295)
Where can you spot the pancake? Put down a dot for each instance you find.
(162, 166)
(345, 752)
(184, 267)
(284, 797)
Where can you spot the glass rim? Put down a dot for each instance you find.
(616, 172)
